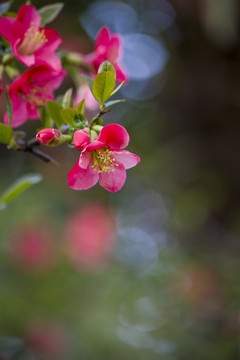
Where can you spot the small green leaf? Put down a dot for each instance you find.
(89, 81)
(67, 99)
(68, 116)
(19, 186)
(80, 121)
(53, 109)
(113, 102)
(96, 121)
(5, 6)
(117, 88)
(107, 66)
(12, 71)
(80, 108)
(5, 133)
(49, 13)
(9, 109)
(46, 120)
(103, 86)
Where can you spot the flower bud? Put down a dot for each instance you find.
(81, 139)
(49, 137)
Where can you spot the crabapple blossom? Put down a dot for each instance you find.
(86, 245)
(31, 90)
(83, 92)
(103, 160)
(31, 248)
(108, 47)
(48, 136)
(31, 44)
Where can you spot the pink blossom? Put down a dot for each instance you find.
(84, 92)
(48, 136)
(46, 338)
(108, 47)
(103, 160)
(30, 43)
(31, 248)
(90, 246)
(31, 90)
(81, 139)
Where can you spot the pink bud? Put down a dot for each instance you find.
(48, 137)
(81, 139)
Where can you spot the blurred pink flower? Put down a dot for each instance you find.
(90, 236)
(30, 43)
(108, 47)
(31, 248)
(48, 136)
(83, 92)
(31, 90)
(103, 160)
(46, 338)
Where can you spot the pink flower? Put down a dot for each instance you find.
(31, 90)
(30, 43)
(48, 136)
(108, 47)
(84, 92)
(90, 246)
(47, 339)
(31, 248)
(103, 160)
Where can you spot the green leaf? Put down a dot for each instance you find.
(68, 116)
(5, 6)
(67, 99)
(117, 88)
(103, 86)
(80, 122)
(96, 121)
(5, 133)
(113, 102)
(80, 108)
(89, 81)
(53, 109)
(18, 187)
(46, 120)
(107, 66)
(12, 71)
(9, 109)
(74, 120)
(49, 13)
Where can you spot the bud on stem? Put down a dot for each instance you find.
(52, 137)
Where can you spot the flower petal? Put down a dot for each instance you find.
(114, 136)
(53, 39)
(81, 139)
(121, 73)
(85, 159)
(114, 180)
(82, 179)
(126, 158)
(7, 30)
(27, 14)
(102, 38)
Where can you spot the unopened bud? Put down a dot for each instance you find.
(81, 139)
(49, 137)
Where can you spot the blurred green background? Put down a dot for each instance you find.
(151, 272)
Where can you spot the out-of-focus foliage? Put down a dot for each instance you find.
(157, 276)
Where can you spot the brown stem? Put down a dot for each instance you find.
(29, 147)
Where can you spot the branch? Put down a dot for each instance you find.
(29, 147)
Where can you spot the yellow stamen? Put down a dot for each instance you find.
(103, 160)
(33, 40)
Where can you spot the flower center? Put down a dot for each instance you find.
(33, 40)
(36, 96)
(103, 160)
